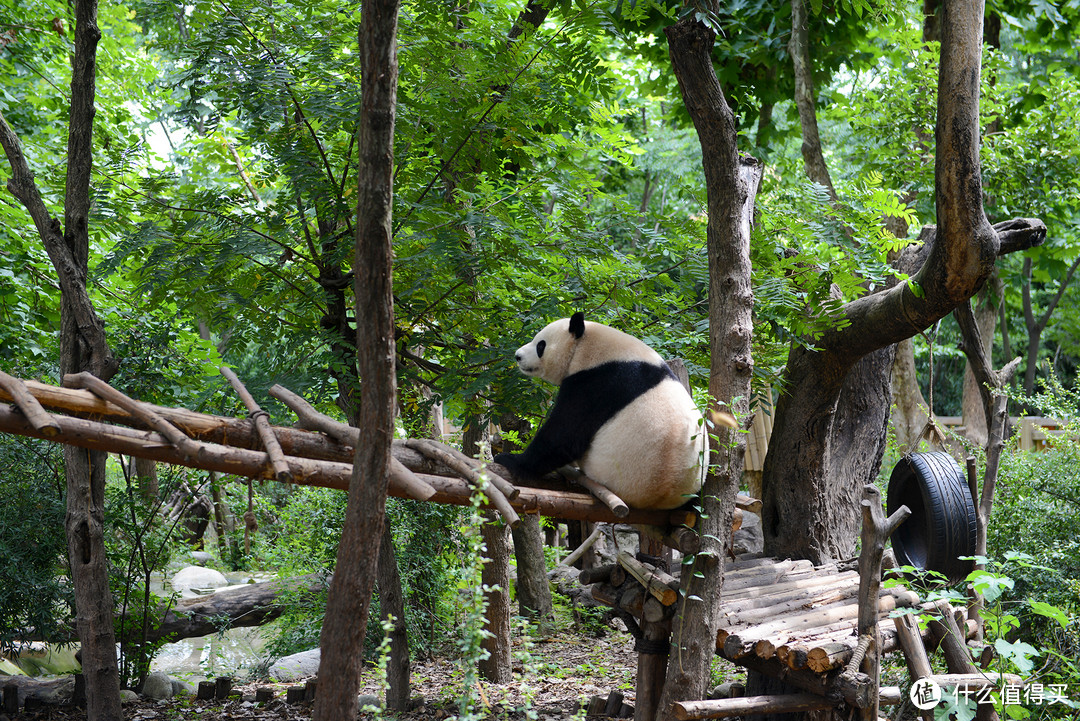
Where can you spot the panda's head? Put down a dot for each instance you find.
(547, 356)
(573, 344)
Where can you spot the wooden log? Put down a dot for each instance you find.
(222, 687)
(828, 656)
(918, 661)
(946, 632)
(596, 574)
(607, 497)
(262, 426)
(11, 698)
(467, 468)
(811, 597)
(746, 705)
(264, 694)
(614, 703)
(28, 405)
(651, 669)
(975, 681)
(662, 586)
(597, 704)
(747, 503)
(742, 640)
(775, 588)
(206, 691)
(252, 605)
(187, 447)
(853, 689)
(294, 694)
(584, 546)
(401, 477)
(311, 472)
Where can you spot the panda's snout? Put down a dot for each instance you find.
(518, 356)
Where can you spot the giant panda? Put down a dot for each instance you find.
(620, 414)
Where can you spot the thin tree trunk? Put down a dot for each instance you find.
(349, 598)
(805, 100)
(533, 589)
(731, 185)
(83, 347)
(497, 667)
(392, 603)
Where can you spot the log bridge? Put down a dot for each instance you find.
(786, 619)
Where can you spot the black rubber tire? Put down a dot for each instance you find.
(941, 527)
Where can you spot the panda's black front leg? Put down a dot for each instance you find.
(558, 442)
(541, 457)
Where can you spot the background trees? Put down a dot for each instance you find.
(537, 170)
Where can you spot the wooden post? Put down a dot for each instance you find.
(918, 662)
(652, 649)
(876, 530)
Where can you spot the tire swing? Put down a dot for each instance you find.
(942, 523)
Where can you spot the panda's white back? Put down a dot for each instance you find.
(654, 452)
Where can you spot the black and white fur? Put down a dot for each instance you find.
(620, 414)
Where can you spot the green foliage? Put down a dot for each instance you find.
(34, 602)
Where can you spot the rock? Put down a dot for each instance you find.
(185, 687)
(749, 538)
(201, 558)
(367, 699)
(58, 694)
(128, 696)
(193, 577)
(158, 686)
(295, 667)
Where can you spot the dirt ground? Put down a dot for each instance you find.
(553, 678)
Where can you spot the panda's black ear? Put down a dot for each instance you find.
(577, 324)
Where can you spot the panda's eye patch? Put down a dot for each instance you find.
(540, 348)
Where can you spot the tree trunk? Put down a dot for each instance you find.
(731, 184)
(974, 416)
(349, 598)
(805, 100)
(83, 347)
(392, 603)
(909, 415)
(497, 667)
(809, 506)
(533, 589)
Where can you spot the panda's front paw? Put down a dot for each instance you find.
(512, 462)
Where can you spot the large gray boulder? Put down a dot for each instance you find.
(295, 667)
(196, 577)
(158, 686)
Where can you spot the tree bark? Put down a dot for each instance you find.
(392, 603)
(533, 589)
(349, 598)
(731, 184)
(497, 667)
(805, 100)
(809, 508)
(971, 404)
(83, 347)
